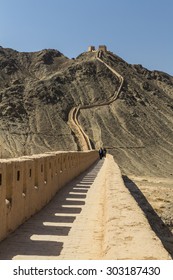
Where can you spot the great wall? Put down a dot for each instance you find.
(83, 139)
(29, 183)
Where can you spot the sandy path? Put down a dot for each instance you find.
(93, 217)
(128, 234)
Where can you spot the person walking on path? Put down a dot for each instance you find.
(104, 152)
(100, 153)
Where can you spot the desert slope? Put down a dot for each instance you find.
(37, 91)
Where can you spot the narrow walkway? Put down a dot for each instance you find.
(128, 234)
(93, 217)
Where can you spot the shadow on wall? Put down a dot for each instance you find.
(156, 223)
(33, 238)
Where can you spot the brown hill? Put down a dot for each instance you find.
(37, 91)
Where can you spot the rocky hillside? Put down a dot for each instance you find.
(37, 91)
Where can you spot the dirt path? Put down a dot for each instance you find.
(93, 217)
(128, 234)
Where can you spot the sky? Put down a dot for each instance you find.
(139, 31)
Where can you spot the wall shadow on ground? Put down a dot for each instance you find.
(54, 221)
(156, 223)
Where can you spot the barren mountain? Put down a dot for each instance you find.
(38, 90)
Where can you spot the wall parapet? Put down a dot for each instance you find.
(28, 183)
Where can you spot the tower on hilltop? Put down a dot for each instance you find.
(91, 49)
(100, 48)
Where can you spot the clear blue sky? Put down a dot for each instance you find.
(139, 31)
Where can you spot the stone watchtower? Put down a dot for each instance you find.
(102, 48)
(91, 49)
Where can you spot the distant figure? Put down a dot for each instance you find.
(104, 152)
(100, 53)
(100, 153)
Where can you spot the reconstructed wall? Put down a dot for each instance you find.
(28, 183)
